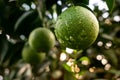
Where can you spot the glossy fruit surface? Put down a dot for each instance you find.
(76, 28)
(41, 39)
(29, 55)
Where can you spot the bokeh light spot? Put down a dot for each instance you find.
(100, 43)
(63, 57)
(104, 61)
(70, 51)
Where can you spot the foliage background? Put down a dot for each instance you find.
(19, 17)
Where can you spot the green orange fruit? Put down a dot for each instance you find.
(76, 28)
(41, 39)
(29, 55)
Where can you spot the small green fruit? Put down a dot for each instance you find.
(29, 55)
(41, 39)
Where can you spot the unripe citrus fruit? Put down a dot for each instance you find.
(41, 39)
(76, 28)
(29, 55)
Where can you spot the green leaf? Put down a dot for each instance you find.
(69, 76)
(66, 67)
(19, 21)
(110, 4)
(3, 49)
(114, 71)
(84, 58)
(112, 56)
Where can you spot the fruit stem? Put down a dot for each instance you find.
(75, 54)
(40, 9)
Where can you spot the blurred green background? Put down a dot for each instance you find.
(18, 18)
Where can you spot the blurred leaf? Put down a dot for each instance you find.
(9, 15)
(27, 23)
(8, 54)
(13, 54)
(69, 76)
(110, 4)
(22, 17)
(114, 71)
(68, 68)
(84, 58)
(112, 56)
(12, 74)
(16, 53)
(3, 49)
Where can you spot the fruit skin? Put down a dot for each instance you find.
(41, 39)
(29, 55)
(76, 28)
